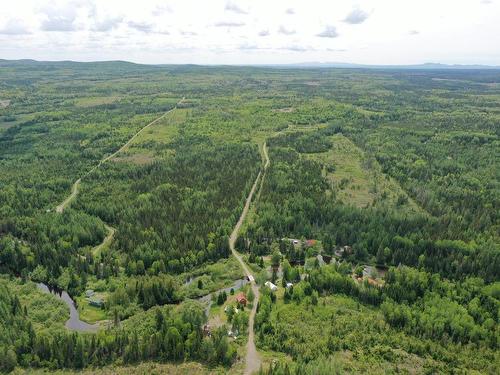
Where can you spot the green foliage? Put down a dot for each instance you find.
(174, 194)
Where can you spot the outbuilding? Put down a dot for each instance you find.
(271, 286)
(89, 293)
(96, 302)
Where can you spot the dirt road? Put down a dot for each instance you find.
(69, 198)
(252, 361)
(111, 232)
(76, 185)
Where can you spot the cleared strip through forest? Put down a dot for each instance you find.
(252, 361)
(76, 185)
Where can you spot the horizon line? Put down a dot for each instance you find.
(304, 64)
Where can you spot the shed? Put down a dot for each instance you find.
(271, 286)
(96, 302)
(89, 293)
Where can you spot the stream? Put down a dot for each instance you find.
(73, 323)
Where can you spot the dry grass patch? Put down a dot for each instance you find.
(285, 110)
(356, 178)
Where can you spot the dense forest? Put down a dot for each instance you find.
(377, 218)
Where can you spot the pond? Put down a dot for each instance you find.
(73, 323)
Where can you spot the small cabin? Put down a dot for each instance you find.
(241, 299)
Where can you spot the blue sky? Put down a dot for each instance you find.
(243, 32)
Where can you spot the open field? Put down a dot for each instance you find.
(357, 179)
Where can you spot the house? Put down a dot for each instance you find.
(344, 250)
(89, 293)
(310, 243)
(241, 299)
(271, 286)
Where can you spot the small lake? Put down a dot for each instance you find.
(73, 323)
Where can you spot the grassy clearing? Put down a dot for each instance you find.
(164, 130)
(90, 314)
(357, 179)
(212, 276)
(153, 143)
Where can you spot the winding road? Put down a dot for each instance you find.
(111, 232)
(252, 361)
(75, 188)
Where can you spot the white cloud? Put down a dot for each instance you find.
(59, 23)
(107, 24)
(229, 24)
(144, 27)
(296, 48)
(60, 16)
(329, 32)
(184, 31)
(14, 27)
(161, 9)
(285, 31)
(188, 33)
(356, 16)
(233, 7)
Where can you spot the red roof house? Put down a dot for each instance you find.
(241, 299)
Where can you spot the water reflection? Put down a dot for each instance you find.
(74, 323)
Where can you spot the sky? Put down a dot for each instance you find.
(253, 32)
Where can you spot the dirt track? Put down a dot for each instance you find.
(111, 232)
(76, 185)
(252, 361)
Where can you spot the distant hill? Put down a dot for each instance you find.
(430, 66)
(113, 64)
